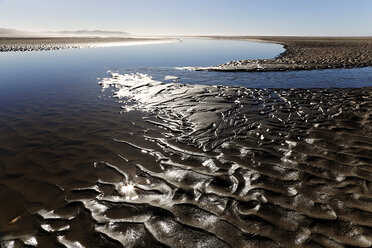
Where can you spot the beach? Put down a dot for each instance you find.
(127, 160)
(304, 53)
(57, 43)
(301, 53)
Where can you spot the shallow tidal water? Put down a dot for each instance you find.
(202, 159)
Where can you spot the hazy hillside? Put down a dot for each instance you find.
(5, 32)
(93, 33)
(12, 32)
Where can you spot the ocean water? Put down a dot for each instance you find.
(71, 68)
(99, 149)
(74, 72)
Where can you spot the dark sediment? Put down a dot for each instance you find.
(196, 166)
(305, 53)
(57, 43)
(190, 166)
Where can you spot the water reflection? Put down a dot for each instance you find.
(254, 167)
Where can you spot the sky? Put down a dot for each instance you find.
(192, 17)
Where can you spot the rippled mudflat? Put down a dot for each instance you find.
(185, 165)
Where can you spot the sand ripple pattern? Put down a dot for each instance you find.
(226, 166)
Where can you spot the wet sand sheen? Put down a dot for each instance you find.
(188, 166)
(191, 165)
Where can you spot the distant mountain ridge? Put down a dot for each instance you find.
(6, 32)
(86, 31)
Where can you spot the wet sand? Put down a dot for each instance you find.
(57, 43)
(189, 166)
(304, 53)
(175, 165)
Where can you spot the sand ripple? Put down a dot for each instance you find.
(218, 166)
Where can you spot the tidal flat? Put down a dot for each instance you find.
(144, 157)
(22, 44)
(304, 53)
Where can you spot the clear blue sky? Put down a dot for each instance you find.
(224, 17)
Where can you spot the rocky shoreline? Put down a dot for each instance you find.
(303, 53)
(8, 44)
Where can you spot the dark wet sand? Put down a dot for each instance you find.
(304, 53)
(40, 44)
(189, 166)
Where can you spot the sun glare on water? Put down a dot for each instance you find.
(127, 190)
